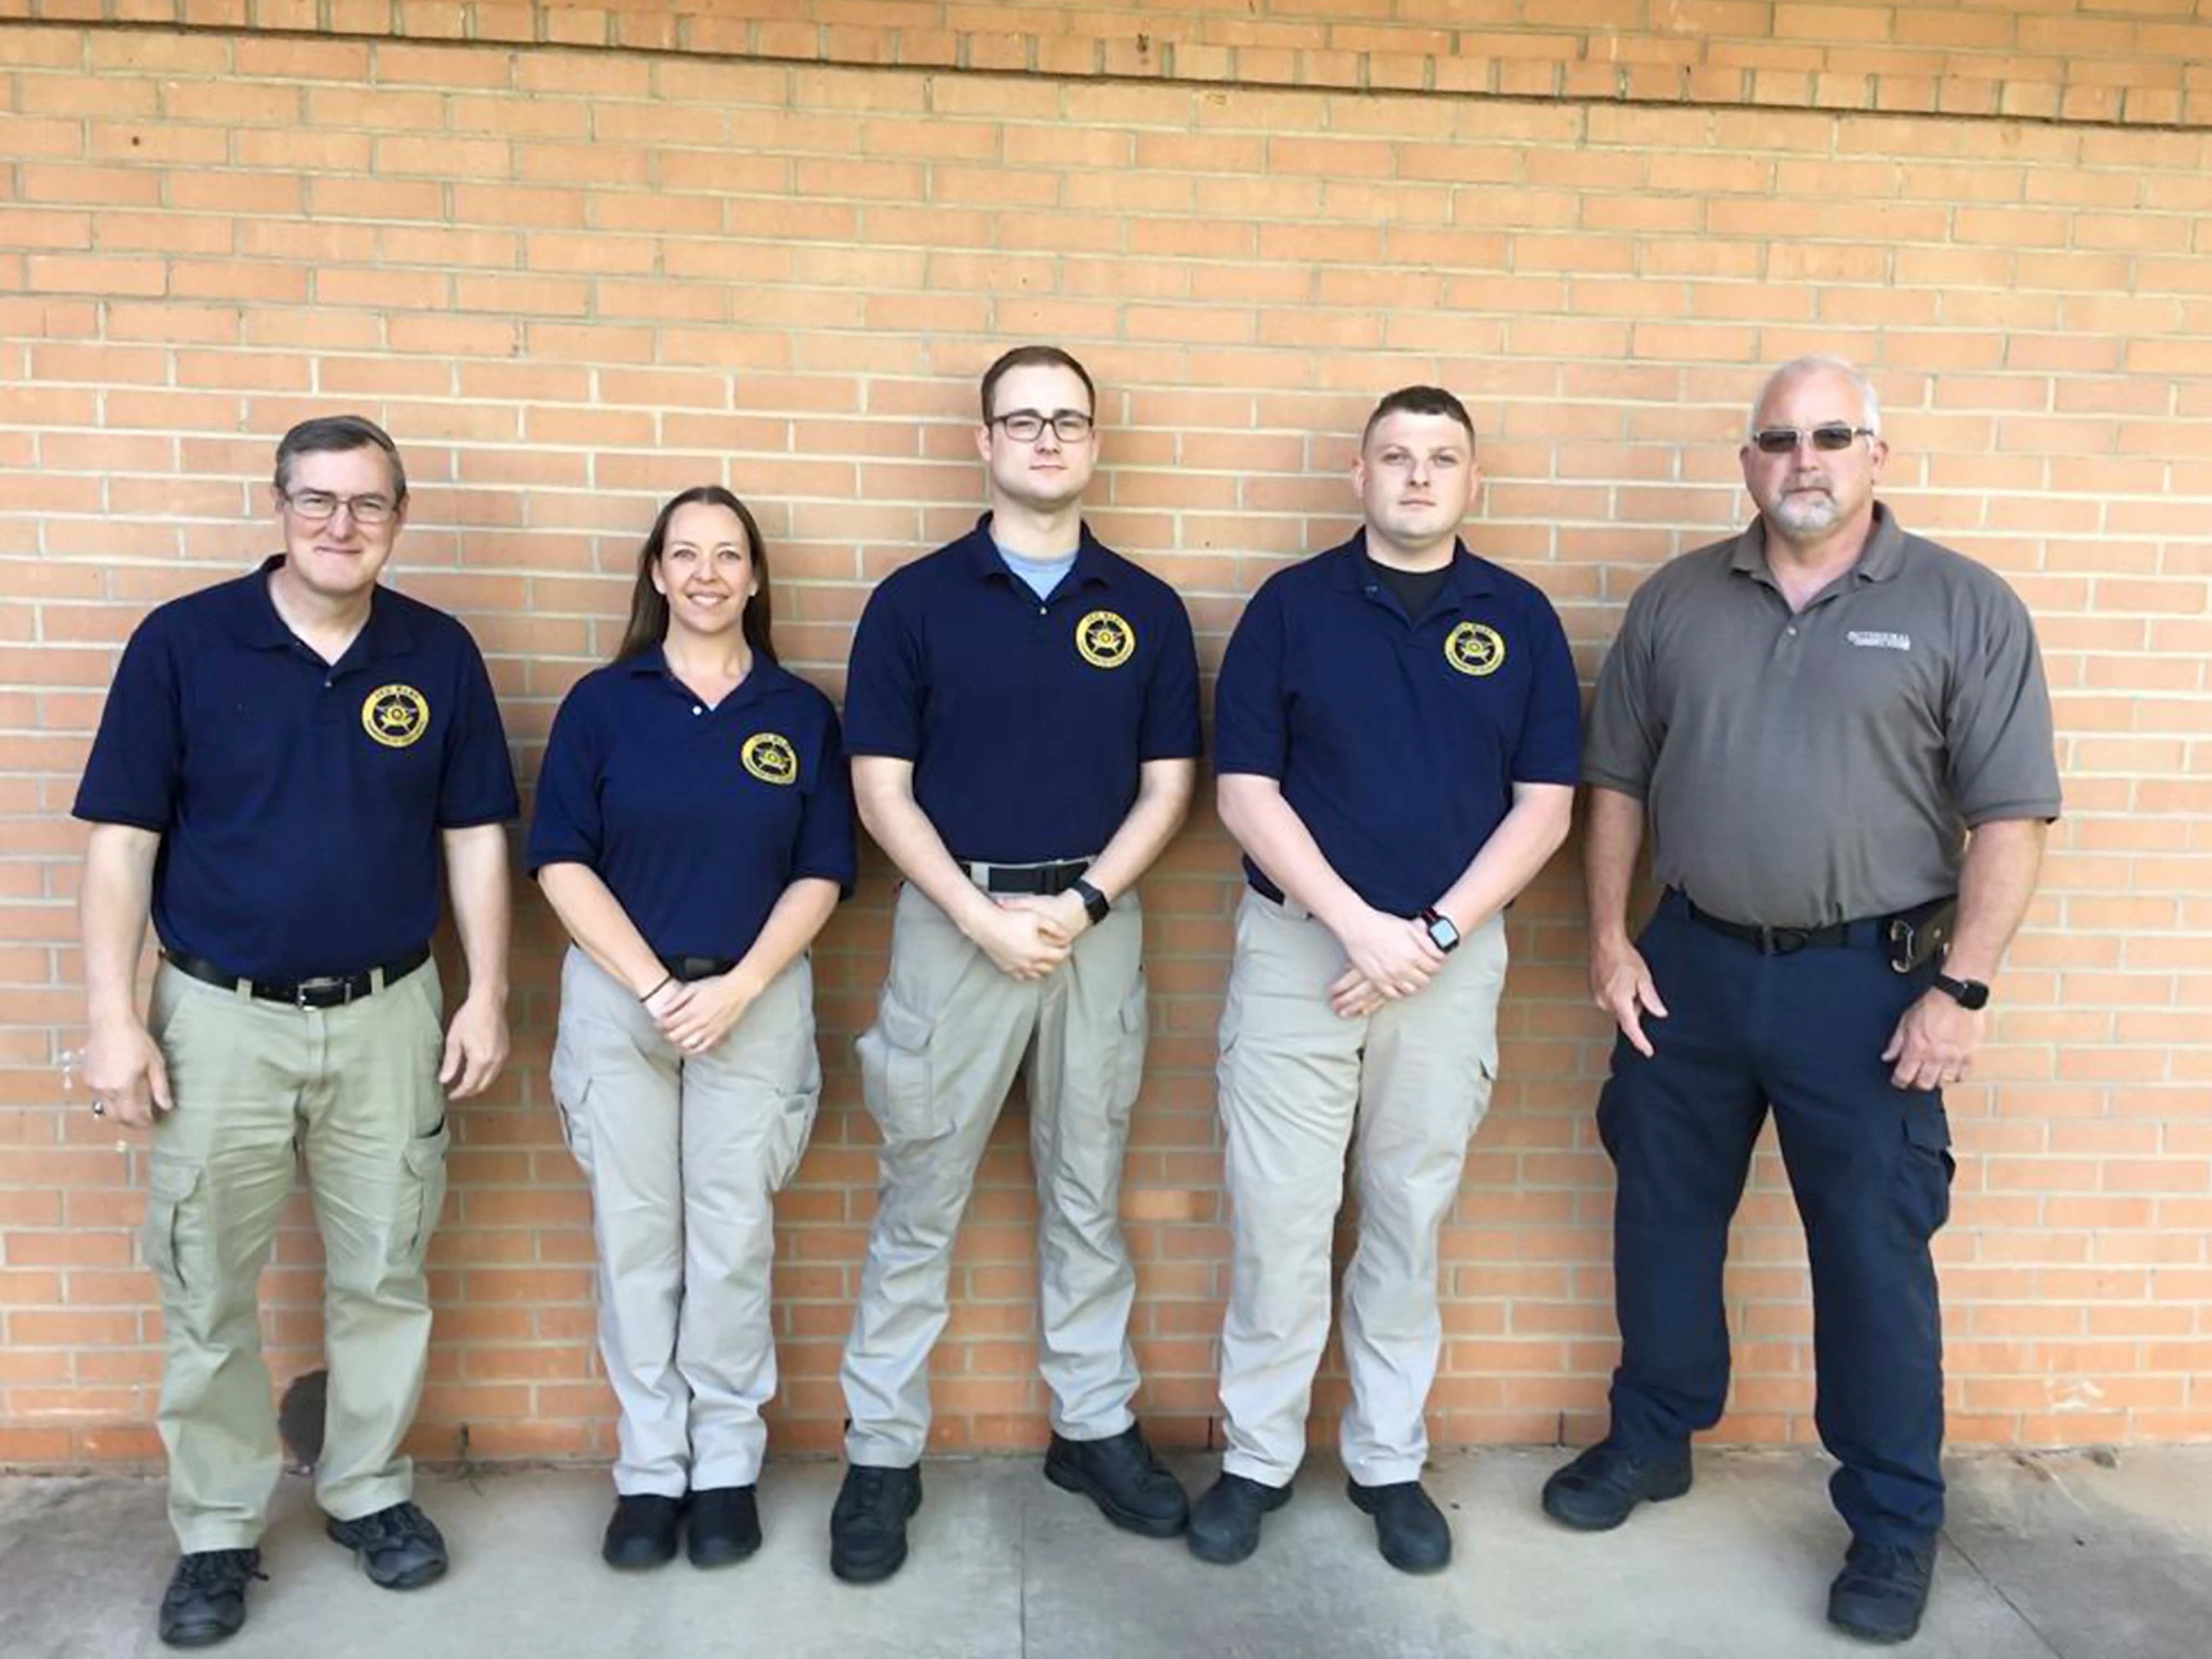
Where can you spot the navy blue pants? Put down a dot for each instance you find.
(1871, 1173)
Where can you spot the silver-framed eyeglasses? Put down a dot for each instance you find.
(1785, 439)
(315, 506)
(1026, 426)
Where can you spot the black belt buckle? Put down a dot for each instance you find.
(330, 991)
(1783, 941)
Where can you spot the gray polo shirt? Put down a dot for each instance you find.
(1805, 770)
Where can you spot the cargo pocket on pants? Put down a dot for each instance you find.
(1925, 1172)
(894, 1071)
(171, 1223)
(421, 1193)
(571, 1088)
(1135, 1022)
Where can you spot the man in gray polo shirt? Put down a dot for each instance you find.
(1834, 727)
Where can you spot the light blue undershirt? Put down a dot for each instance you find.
(1042, 576)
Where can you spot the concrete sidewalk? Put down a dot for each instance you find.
(2053, 1554)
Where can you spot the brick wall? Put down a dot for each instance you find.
(573, 280)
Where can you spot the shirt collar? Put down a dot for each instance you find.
(652, 664)
(256, 622)
(1092, 566)
(1468, 577)
(1879, 560)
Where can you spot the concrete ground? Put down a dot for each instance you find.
(2057, 1555)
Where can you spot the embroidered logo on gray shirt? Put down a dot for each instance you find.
(1879, 641)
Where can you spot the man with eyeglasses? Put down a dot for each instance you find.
(1842, 738)
(282, 763)
(1021, 710)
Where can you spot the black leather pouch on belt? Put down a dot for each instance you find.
(1916, 936)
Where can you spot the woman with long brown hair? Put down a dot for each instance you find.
(693, 831)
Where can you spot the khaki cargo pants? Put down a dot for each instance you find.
(685, 1156)
(258, 1085)
(1405, 1087)
(951, 1031)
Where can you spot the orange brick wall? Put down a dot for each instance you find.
(571, 280)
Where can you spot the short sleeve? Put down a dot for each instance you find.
(1251, 729)
(477, 786)
(825, 845)
(567, 827)
(1170, 729)
(885, 684)
(1549, 748)
(1621, 747)
(134, 771)
(1997, 722)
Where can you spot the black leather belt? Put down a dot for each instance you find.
(323, 991)
(687, 969)
(1787, 941)
(1044, 879)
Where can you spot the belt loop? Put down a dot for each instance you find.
(376, 982)
(1294, 910)
(242, 990)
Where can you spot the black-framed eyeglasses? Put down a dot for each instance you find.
(1026, 426)
(315, 506)
(1785, 439)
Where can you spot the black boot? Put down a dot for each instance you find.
(1599, 1489)
(722, 1524)
(205, 1602)
(1410, 1530)
(1882, 1590)
(1121, 1476)
(867, 1526)
(1225, 1524)
(641, 1532)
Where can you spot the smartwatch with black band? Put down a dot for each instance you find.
(1442, 932)
(1969, 993)
(1096, 904)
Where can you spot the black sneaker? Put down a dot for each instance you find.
(1225, 1524)
(1410, 1530)
(399, 1548)
(1121, 1476)
(722, 1524)
(867, 1524)
(641, 1532)
(1882, 1590)
(205, 1602)
(1599, 1489)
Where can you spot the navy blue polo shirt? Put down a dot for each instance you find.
(298, 802)
(1397, 741)
(696, 818)
(1025, 718)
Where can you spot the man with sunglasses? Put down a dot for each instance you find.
(1841, 737)
(282, 764)
(1022, 711)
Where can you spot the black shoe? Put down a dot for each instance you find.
(867, 1524)
(641, 1532)
(722, 1524)
(1225, 1524)
(205, 1602)
(1121, 1476)
(1410, 1530)
(1882, 1590)
(1598, 1490)
(398, 1547)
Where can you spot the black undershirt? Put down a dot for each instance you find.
(1416, 589)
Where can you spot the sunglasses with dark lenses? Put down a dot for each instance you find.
(1785, 439)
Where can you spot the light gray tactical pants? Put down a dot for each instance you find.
(951, 1031)
(685, 1156)
(1406, 1087)
(257, 1084)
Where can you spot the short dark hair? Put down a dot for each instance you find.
(649, 606)
(1035, 356)
(1418, 400)
(336, 434)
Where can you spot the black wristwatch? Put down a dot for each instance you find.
(1969, 993)
(1096, 904)
(1442, 933)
